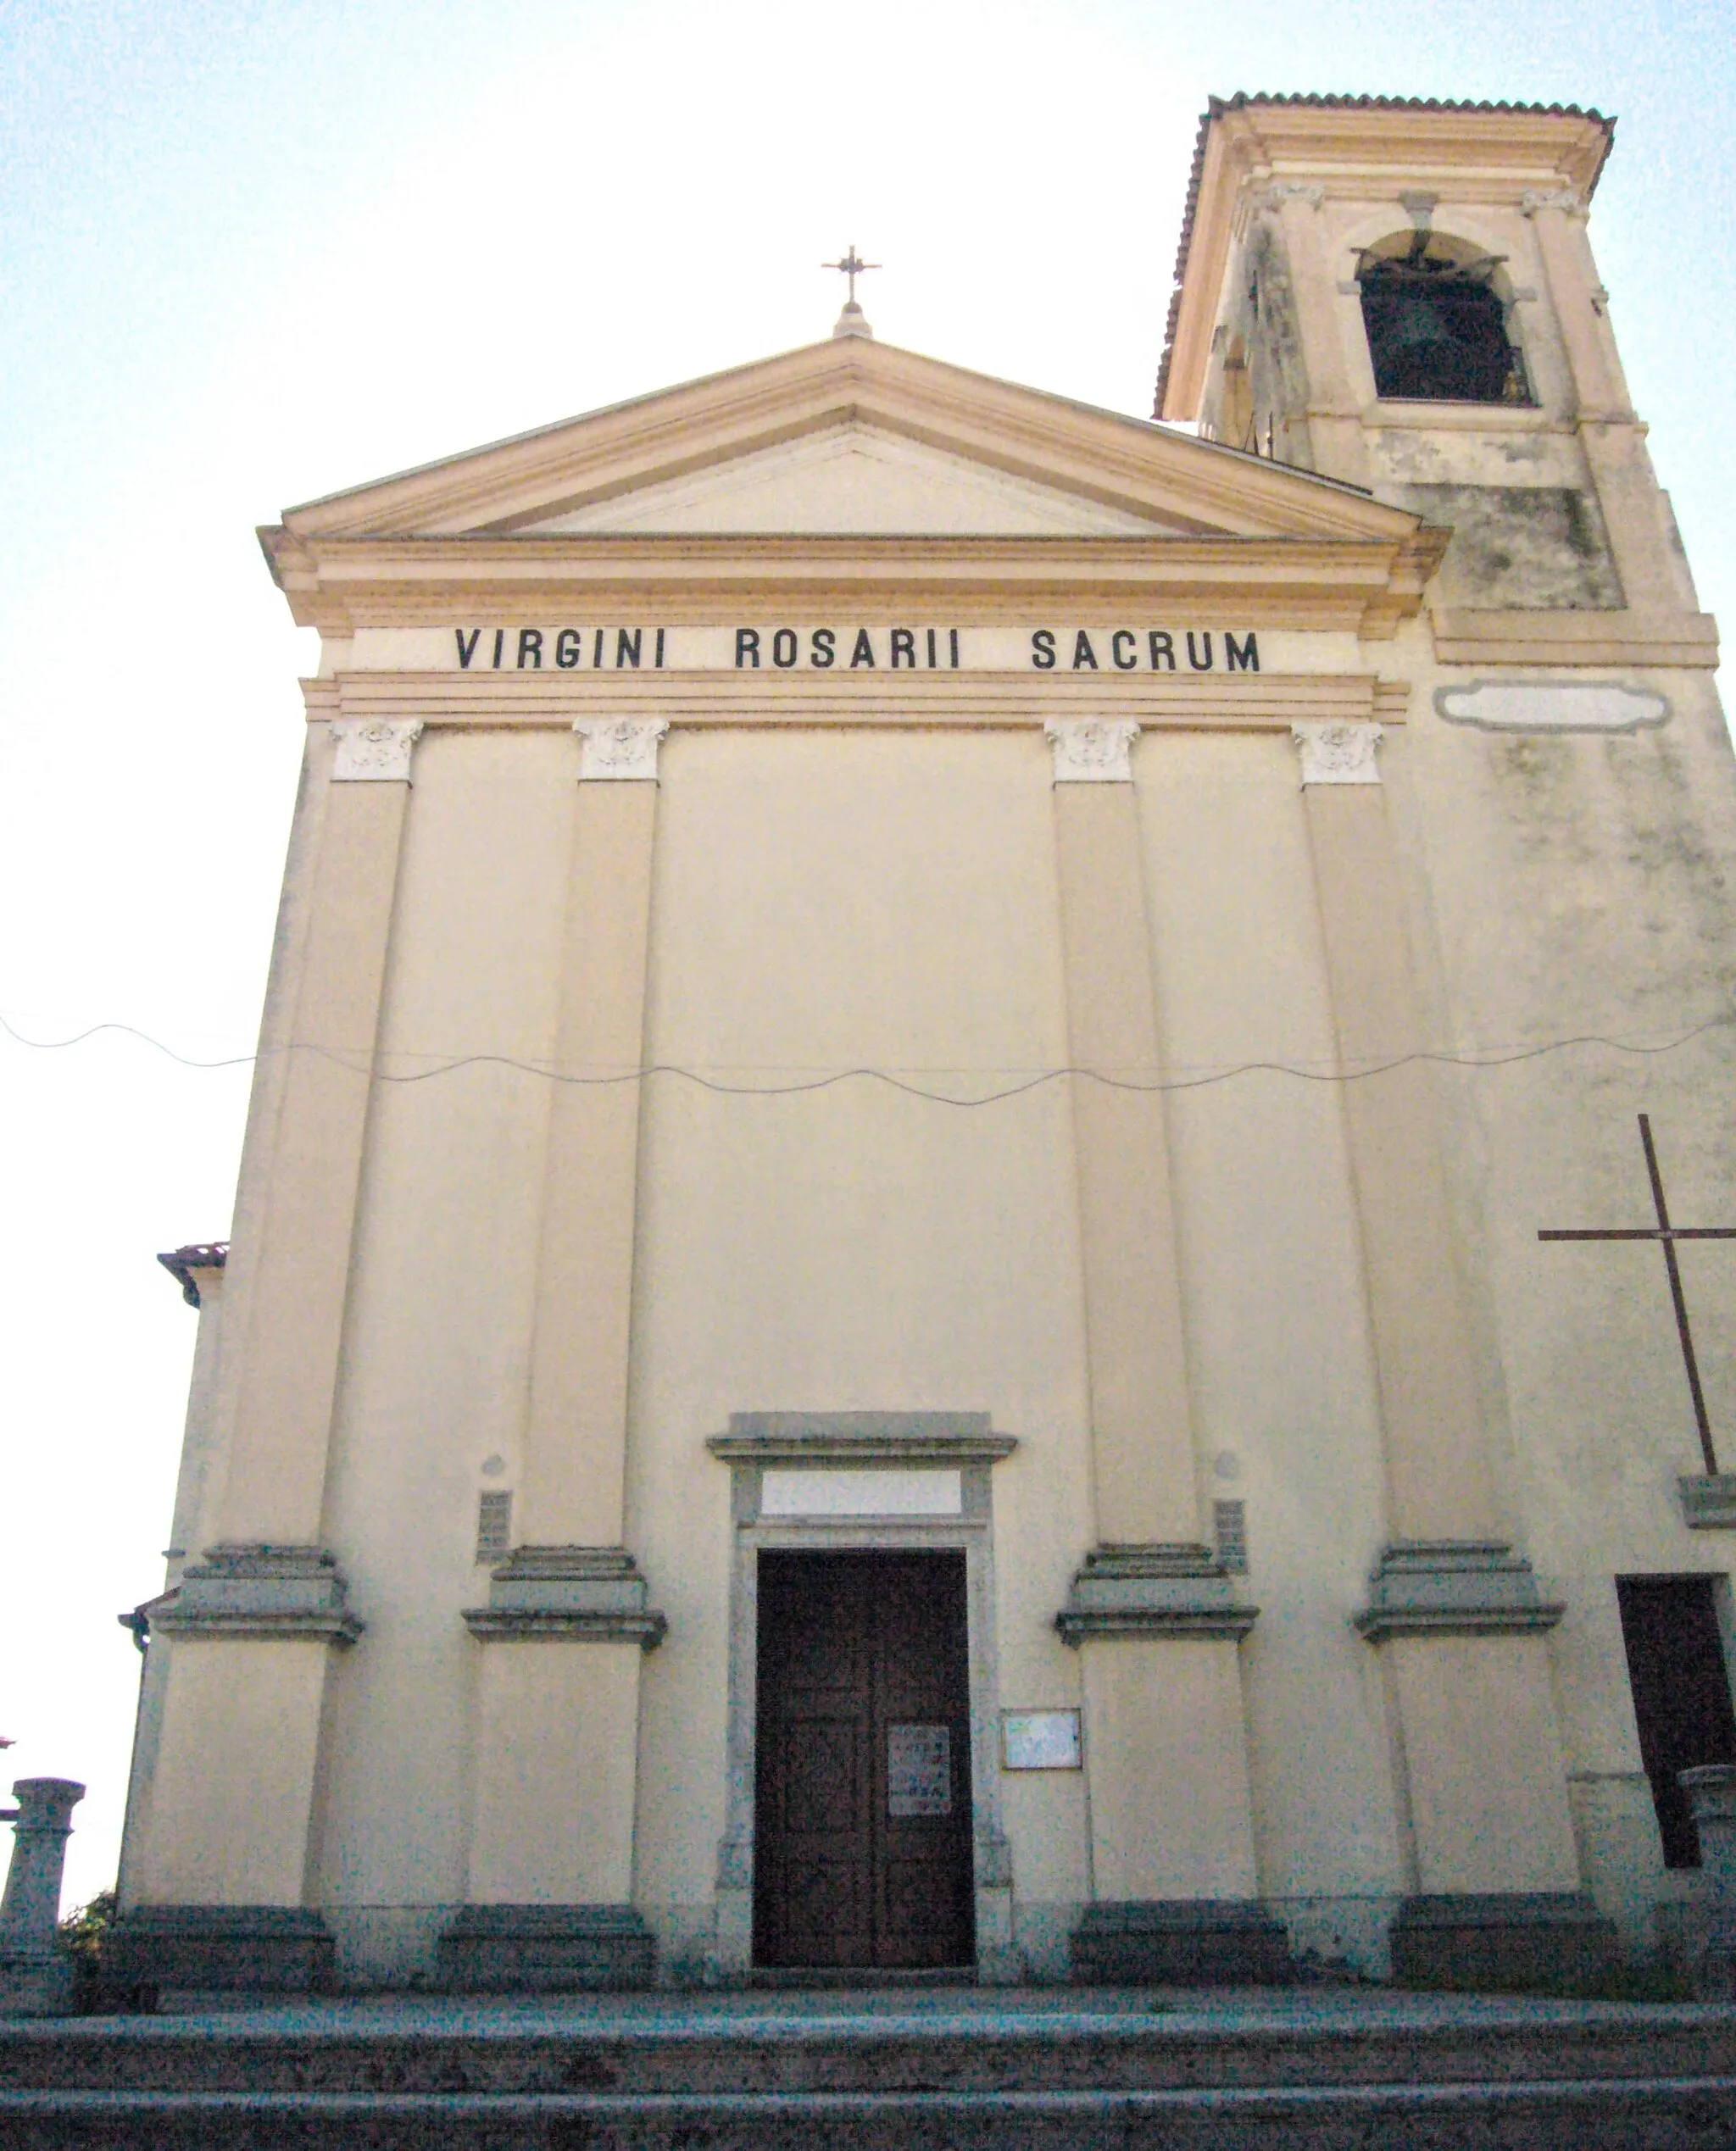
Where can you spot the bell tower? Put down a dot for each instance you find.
(1401, 294)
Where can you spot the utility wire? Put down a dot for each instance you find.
(1481, 1057)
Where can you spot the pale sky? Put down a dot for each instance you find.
(250, 255)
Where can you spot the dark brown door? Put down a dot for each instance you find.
(862, 1825)
(1680, 1693)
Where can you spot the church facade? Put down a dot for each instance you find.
(886, 1310)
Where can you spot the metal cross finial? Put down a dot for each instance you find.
(853, 267)
(1668, 1235)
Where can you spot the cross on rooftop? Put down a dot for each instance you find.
(1666, 1235)
(853, 267)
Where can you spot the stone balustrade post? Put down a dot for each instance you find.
(35, 1977)
(1711, 1796)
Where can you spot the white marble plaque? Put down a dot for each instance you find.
(1551, 706)
(1040, 1740)
(919, 1770)
(861, 1493)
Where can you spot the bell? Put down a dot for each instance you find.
(1414, 326)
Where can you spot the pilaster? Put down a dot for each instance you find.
(1454, 1611)
(1338, 446)
(1151, 1611)
(576, 1438)
(218, 1851)
(550, 1853)
(1142, 1437)
(200, 1270)
(289, 1374)
(1438, 1466)
(1654, 578)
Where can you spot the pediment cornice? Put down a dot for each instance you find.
(457, 535)
(1128, 464)
(340, 584)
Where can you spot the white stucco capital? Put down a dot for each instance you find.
(1092, 750)
(1339, 753)
(1275, 194)
(618, 748)
(1551, 197)
(374, 750)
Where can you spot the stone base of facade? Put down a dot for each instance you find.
(546, 1949)
(267, 1949)
(1555, 1938)
(1180, 1941)
(35, 1982)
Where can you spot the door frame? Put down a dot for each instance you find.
(882, 1443)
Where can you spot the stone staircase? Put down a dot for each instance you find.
(958, 2070)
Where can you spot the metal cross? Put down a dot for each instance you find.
(853, 267)
(1666, 1235)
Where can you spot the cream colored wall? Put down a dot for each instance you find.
(838, 900)
(1577, 886)
(438, 1337)
(1285, 1406)
(1560, 887)
(827, 902)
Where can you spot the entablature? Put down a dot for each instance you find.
(1268, 701)
(340, 585)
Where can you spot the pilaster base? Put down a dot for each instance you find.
(580, 1594)
(546, 1949)
(1453, 1586)
(1158, 1590)
(1709, 1501)
(271, 1948)
(1180, 1941)
(264, 1592)
(1549, 1938)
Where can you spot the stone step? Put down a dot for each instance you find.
(495, 2054)
(1606, 2115)
(970, 2073)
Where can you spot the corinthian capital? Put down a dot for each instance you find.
(1551, 198)
(1339, 753)
(1092, 750)
(374, 750)
(619, 748)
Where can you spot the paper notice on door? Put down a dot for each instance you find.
(919, 1769)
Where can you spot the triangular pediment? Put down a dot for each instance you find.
(852, 437)
(853, 479)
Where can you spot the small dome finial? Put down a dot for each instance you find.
(851, 321)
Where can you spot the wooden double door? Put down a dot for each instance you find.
(862, 1841)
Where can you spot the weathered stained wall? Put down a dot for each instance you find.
(1525, 546)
